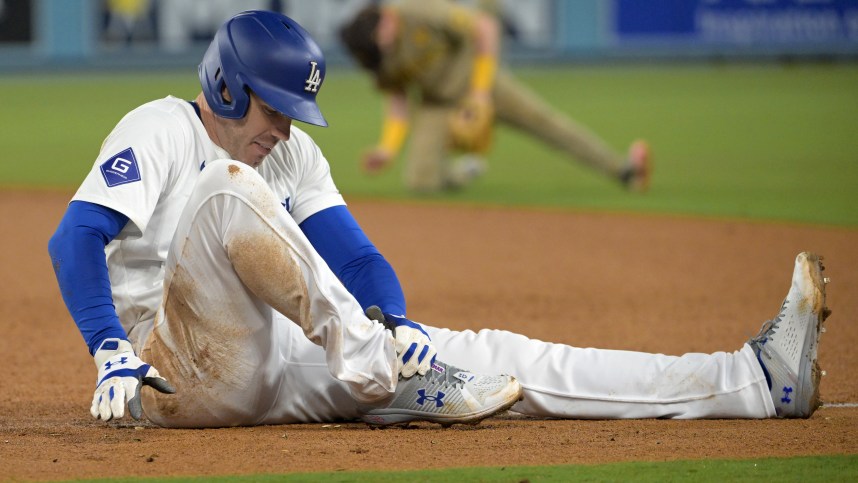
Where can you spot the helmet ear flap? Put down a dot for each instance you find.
(221, 91)
(215, 84)
(238, 90)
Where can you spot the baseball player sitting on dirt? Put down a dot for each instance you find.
(440, 60)
(209, 255)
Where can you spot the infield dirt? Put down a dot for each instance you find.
(648, 283)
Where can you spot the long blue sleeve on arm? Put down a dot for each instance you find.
(367, 275)
(77, 254)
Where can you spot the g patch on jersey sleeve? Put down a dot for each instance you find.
(120, 169)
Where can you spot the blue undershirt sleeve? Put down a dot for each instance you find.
(366, 274)
(77, 254)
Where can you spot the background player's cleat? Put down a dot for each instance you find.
(446, 395)
(787, 346)
(465, 169)
(635, 176)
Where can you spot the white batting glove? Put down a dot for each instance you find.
(121, 374)
(414, 348)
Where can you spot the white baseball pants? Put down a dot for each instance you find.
(254, 328)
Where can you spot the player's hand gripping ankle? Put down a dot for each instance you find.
(121, 374)
(413, 346)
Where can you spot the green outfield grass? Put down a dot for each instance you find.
(767, 142)
(805, 469)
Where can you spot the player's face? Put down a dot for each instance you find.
(251, 138)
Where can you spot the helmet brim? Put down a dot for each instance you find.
(290, 105)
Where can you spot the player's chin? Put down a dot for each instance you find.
(253, 159)
(257, 153)
(253, 162)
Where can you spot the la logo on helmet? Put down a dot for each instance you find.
(314, 79)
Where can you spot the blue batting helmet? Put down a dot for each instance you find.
(267, 53)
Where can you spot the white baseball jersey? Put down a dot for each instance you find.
(146, 170)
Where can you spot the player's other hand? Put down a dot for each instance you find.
(121, 374)
(413, 346)
(376, 160)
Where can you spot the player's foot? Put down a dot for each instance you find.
(446, 395)
(464, 170)
(635, 175)
(787, 346)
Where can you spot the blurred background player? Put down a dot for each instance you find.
(439, 59)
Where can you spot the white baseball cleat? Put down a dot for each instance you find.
(787, 346)
(446, 395)
(465, 169)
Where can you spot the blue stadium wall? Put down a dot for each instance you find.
(92, 34)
